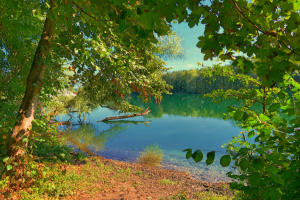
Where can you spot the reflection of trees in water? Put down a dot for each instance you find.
(193, 105)
(85, 138)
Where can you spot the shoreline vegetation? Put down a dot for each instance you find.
(57, 171)
(97, 178)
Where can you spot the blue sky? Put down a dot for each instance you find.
(192, 54)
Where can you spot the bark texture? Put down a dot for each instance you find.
(16, 147)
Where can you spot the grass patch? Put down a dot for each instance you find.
(167, 182)
(212, 196)
(139, 172)
(151, 156)
(59, 180)
(53, 183)
(200, 196)
(123, 174)
(179, 196)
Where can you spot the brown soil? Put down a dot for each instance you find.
(116, 180)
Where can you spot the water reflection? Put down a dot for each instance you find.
(208, 116)
(181, 121)
(87, 140)
(192, 105)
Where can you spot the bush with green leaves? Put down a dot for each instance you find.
(260, 39)
(46, 153)
(266, 154)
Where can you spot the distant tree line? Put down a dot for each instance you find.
(202, 81)
(196, 81)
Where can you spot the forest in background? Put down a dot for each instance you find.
(196, 81)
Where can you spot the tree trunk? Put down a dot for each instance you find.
(16, 146)
(126, 116)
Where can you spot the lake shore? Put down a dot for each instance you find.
(107, 179)
(123, 180)
(134, 181)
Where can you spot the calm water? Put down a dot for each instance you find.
(181, 121)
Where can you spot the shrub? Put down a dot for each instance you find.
(151, 156)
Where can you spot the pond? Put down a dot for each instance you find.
(181, 121)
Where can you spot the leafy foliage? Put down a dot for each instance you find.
(267, 151)
(261, 39)
(258, 36)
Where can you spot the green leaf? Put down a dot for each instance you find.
(258, 164)
(238, 115)
(8, 167)
(188, 153)
(5, 159)
(25, 140)
(225, 160)
(277, 179)
(275, 194)
(264, 117)
(274, 107)
(210, 157)
(251, 134)
(257, 139)
(243, 164)
(254, 179)
(243, 151)
(197, 156)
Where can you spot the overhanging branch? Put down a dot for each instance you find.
(271, 33)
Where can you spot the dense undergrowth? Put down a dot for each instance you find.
(47, 156)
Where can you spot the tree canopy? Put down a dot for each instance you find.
(257, 36)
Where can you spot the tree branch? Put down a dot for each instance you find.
(83, 11)
(126, 116)
(67, 48)
(271, 33)
(245, 17)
